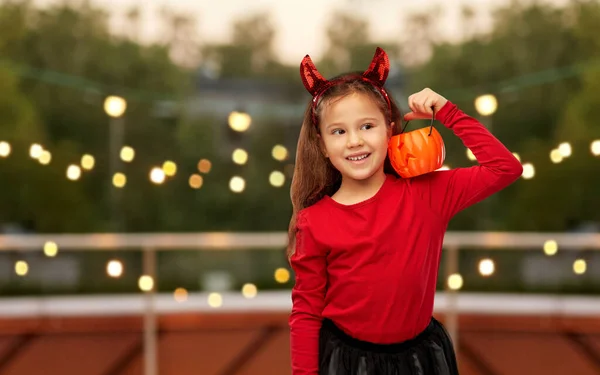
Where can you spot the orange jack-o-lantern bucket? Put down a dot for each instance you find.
(417, 152)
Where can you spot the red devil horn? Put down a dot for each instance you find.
(379, 68)
(311, 78)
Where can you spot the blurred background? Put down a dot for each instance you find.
(147, 149)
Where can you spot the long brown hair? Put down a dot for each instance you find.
(314, 175)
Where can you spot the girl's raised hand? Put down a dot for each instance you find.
(423, 103)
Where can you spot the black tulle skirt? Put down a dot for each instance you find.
(430, 353)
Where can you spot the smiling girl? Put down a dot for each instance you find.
(365, 244)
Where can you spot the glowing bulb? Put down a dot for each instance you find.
(239, 121)
(279, 152)
(196, 181)
(556, 156)
(87, 162)
(119, 180)
(204, 166)
(471, 155)
(114, 268)
(180, 295)
(277, 179)
(127, 154)
(115, 106)
(215, 300)
(146, 283)
(282, 275)
(528, 171)
(157, 175)
(595, 147)
(486, 105)
(45, 158)
(170, 168)
(249, 291)
(486, 267)
(4, 149)
(237, 184)
(50, 249)
(455, 281)
(35, 151)
(550, 247)
(239, 156)
(21, 268)
(565, 149)
(579, 266)
(73, 172)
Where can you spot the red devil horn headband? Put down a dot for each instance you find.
(316, 85)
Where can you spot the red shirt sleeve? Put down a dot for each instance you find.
(308, 296)
(452, 191)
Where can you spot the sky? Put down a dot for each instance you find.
(300, 24)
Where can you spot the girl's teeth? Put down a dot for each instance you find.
(358, 157)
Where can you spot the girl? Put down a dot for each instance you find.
(365, 244)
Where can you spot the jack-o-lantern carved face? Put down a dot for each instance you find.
(417, 152)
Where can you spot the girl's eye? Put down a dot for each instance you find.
(337, 131)
(367, 126)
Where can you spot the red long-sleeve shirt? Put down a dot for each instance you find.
(372, 267)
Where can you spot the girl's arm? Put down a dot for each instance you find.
(308, 296)
(454, 190)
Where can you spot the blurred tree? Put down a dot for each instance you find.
(350, 46)
(35, 197)
(527, 60)
(250, 52)
(70, 62)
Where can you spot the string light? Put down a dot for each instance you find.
(486, 105)
(114, 268)
(471, 155)
(239, 121)
(237, 184)
(88, 162)
(119, 180)
(249, 291)
(157, 175)
(595, 147)
(277, 179)
(565, 149)
(282, 275)
(115, 106)
(169, 168)
(455, 281)
(50, 249)
(486, 267)
(528, 171)
(215, 300)
(21, 268)
(4, 149)
(146, 283)
(35, 151)
(550, 247)
(73, 172)
(204, 166)
(579, 266)
(279, 153)
(127, 154)
(180, 295)
(195, 181)
(45, 158)
(516, 155)
(556, 156)
(239, 156)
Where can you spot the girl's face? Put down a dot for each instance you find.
(355, 136)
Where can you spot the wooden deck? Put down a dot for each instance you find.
(256, 342)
